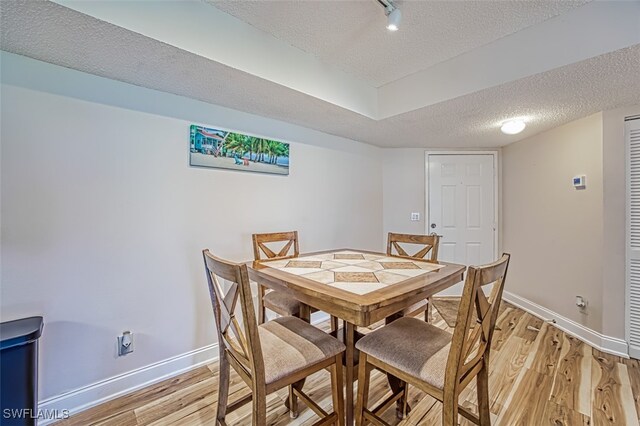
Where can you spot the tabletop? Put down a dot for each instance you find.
(358, 286)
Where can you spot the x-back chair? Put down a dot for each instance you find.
(278, 301)
(438, 363)
(397, 245)
(269, 356)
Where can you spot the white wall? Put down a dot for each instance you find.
(103, 220)
(585, 229)
(553, 231)
(403, 190)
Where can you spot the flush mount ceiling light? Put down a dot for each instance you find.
(394, 16)
(513, 127)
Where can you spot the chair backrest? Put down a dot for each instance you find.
(476, 320)
(261, 241)
(240, 341)
(428, 244)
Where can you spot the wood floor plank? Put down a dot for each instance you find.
(505, 324)
(558, 415)
(114, 408)
(420, 406)
(126, 418)
(277, 414)
(633, 369)
(626, 396)
(204, 416)
(612, 402)
(528, 327)
(199, 410)
(528, 402)
(511, 360)
(572, 381)
(500, 334)
(434, 415)
(162, 407)
(545, 355)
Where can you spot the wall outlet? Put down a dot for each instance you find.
(415, 217)
(125, 343)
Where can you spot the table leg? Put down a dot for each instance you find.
(349, 340)
(305, 313)
(395, 383)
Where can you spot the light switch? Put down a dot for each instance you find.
(415, 217)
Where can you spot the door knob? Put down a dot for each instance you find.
(433, 226)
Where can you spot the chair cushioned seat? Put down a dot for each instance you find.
(290, 345)
(413, 346)
(281, 303)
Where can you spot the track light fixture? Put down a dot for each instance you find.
(394, 16)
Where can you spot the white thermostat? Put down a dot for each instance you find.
(579, 182)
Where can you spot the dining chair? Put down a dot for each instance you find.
(278, 301)
(268, 356)
(437, 362)
(397, 246)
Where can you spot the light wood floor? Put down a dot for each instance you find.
(539, 376)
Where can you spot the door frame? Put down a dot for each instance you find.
(496, 192)
(627, 227)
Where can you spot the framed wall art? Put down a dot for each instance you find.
(223, 149)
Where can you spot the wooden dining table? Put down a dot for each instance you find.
(360, 287)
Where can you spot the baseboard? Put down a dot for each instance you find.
(608, 344)
(97, 393)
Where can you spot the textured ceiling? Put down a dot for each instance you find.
(351, 35)
(55, 34)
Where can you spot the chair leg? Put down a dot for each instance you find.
(261, 308)
(293, 399)
(427, 312)
(405, 401)
(397, 386)
(259, 399)
(483, 395)
(363, 389)
(450, 408)
(223, 387)
(337, 391)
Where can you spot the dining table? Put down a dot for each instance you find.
(359, 287)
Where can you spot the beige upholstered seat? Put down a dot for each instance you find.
(426, 357)
(282, 303)
(290, 344)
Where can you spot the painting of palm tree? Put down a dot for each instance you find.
(229, 150)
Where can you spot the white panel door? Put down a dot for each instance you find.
(462, 206)
(633, 236)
